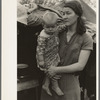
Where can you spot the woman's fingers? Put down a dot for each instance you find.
(48, 75)
(56, 77)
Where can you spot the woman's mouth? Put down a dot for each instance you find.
(65, 20)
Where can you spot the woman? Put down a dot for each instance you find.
(74, 50)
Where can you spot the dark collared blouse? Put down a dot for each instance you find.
(69, 54)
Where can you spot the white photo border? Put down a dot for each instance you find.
(9, 50)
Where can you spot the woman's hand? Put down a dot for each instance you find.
(51, 72)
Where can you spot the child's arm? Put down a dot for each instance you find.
(40, 58)
(41, 50)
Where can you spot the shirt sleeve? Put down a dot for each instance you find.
(87, 42)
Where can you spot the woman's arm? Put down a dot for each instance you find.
(79, 66)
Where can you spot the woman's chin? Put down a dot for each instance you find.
(67, 24)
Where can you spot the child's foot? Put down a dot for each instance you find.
(47, 90)
(58, 91)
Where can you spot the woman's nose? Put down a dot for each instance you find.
(65, 16)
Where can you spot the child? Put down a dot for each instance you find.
(47, 50)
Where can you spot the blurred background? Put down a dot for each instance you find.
(91, 3)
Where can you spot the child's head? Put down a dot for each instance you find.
(50, 22)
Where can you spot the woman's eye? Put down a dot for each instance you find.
(63, 13)
(68, 13)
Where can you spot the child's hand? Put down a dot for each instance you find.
(41, 63)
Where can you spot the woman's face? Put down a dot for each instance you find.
(70, 17)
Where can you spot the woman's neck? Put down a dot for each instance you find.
(72, 28)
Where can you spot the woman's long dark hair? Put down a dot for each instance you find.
(81, 29)
(77, 8)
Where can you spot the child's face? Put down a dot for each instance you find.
(50, 29)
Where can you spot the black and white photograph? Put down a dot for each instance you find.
(56, 49)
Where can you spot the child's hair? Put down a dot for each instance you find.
(50, 18)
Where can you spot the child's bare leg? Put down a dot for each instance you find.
(56, 88)
(46, 86)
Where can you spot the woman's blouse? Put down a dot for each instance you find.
(69, 51)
